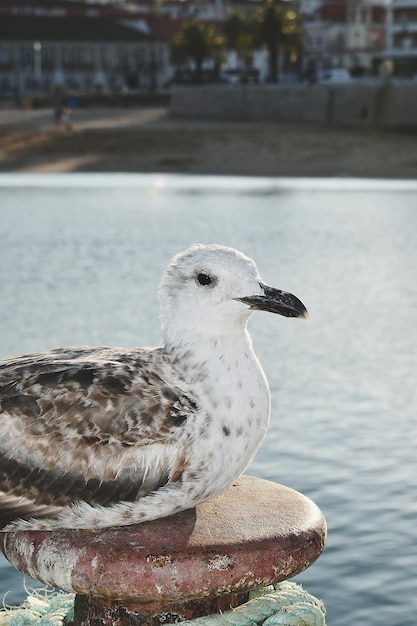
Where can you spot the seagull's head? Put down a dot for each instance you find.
(212, 290)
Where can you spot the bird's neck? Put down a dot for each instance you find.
(201, 343)
(225, 372)
(205, 355)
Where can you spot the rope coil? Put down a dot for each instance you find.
(285, 604)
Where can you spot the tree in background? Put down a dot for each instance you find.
(196, 42)
(279, 31)
(240, 34)
(275, 26)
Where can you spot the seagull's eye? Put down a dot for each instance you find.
(204, 279)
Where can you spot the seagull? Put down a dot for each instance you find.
(94, 437)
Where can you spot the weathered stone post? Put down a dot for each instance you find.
(194, 563)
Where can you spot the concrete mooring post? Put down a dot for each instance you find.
(195, 563)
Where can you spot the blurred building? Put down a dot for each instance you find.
(116, 46)
(344, 33)
(401, 51)
(76, 46)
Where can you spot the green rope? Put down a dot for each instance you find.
(41, 608)
(285, 604)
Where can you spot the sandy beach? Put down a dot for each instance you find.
(148, 140)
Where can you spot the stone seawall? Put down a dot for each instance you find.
(373, 105)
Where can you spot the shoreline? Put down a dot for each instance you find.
(147, 140)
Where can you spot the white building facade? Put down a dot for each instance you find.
(76, 47)
(344, 34)
(401, 50)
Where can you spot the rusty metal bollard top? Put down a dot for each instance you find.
(196, 562)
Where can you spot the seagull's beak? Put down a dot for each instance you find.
(276, 301)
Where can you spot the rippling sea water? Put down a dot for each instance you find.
(80, 260)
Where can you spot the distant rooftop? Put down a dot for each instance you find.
(79, 28)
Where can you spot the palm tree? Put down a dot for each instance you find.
(196, 42)
(279, 32)
(240, 34)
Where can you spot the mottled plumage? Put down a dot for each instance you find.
(93, 437)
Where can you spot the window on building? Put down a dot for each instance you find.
(5, 56)
(406, 43)
(26, 57)
(403, 19)
(105, 56)
(140, 55)
(70, 58)
(77, 58)
(87, 57)
(48, 57)
(5, 85)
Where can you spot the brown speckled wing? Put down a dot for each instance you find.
(82, 424)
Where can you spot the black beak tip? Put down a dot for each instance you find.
(304, 315)
(297, 309)
(277, 301)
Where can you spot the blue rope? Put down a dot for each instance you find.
(285, 604)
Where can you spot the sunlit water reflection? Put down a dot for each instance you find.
(80, 260)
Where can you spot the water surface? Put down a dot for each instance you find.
(80, 260)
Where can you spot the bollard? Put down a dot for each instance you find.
(194, 563)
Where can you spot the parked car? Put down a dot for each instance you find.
(242, 76)
(190, 77)
(336, 75)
